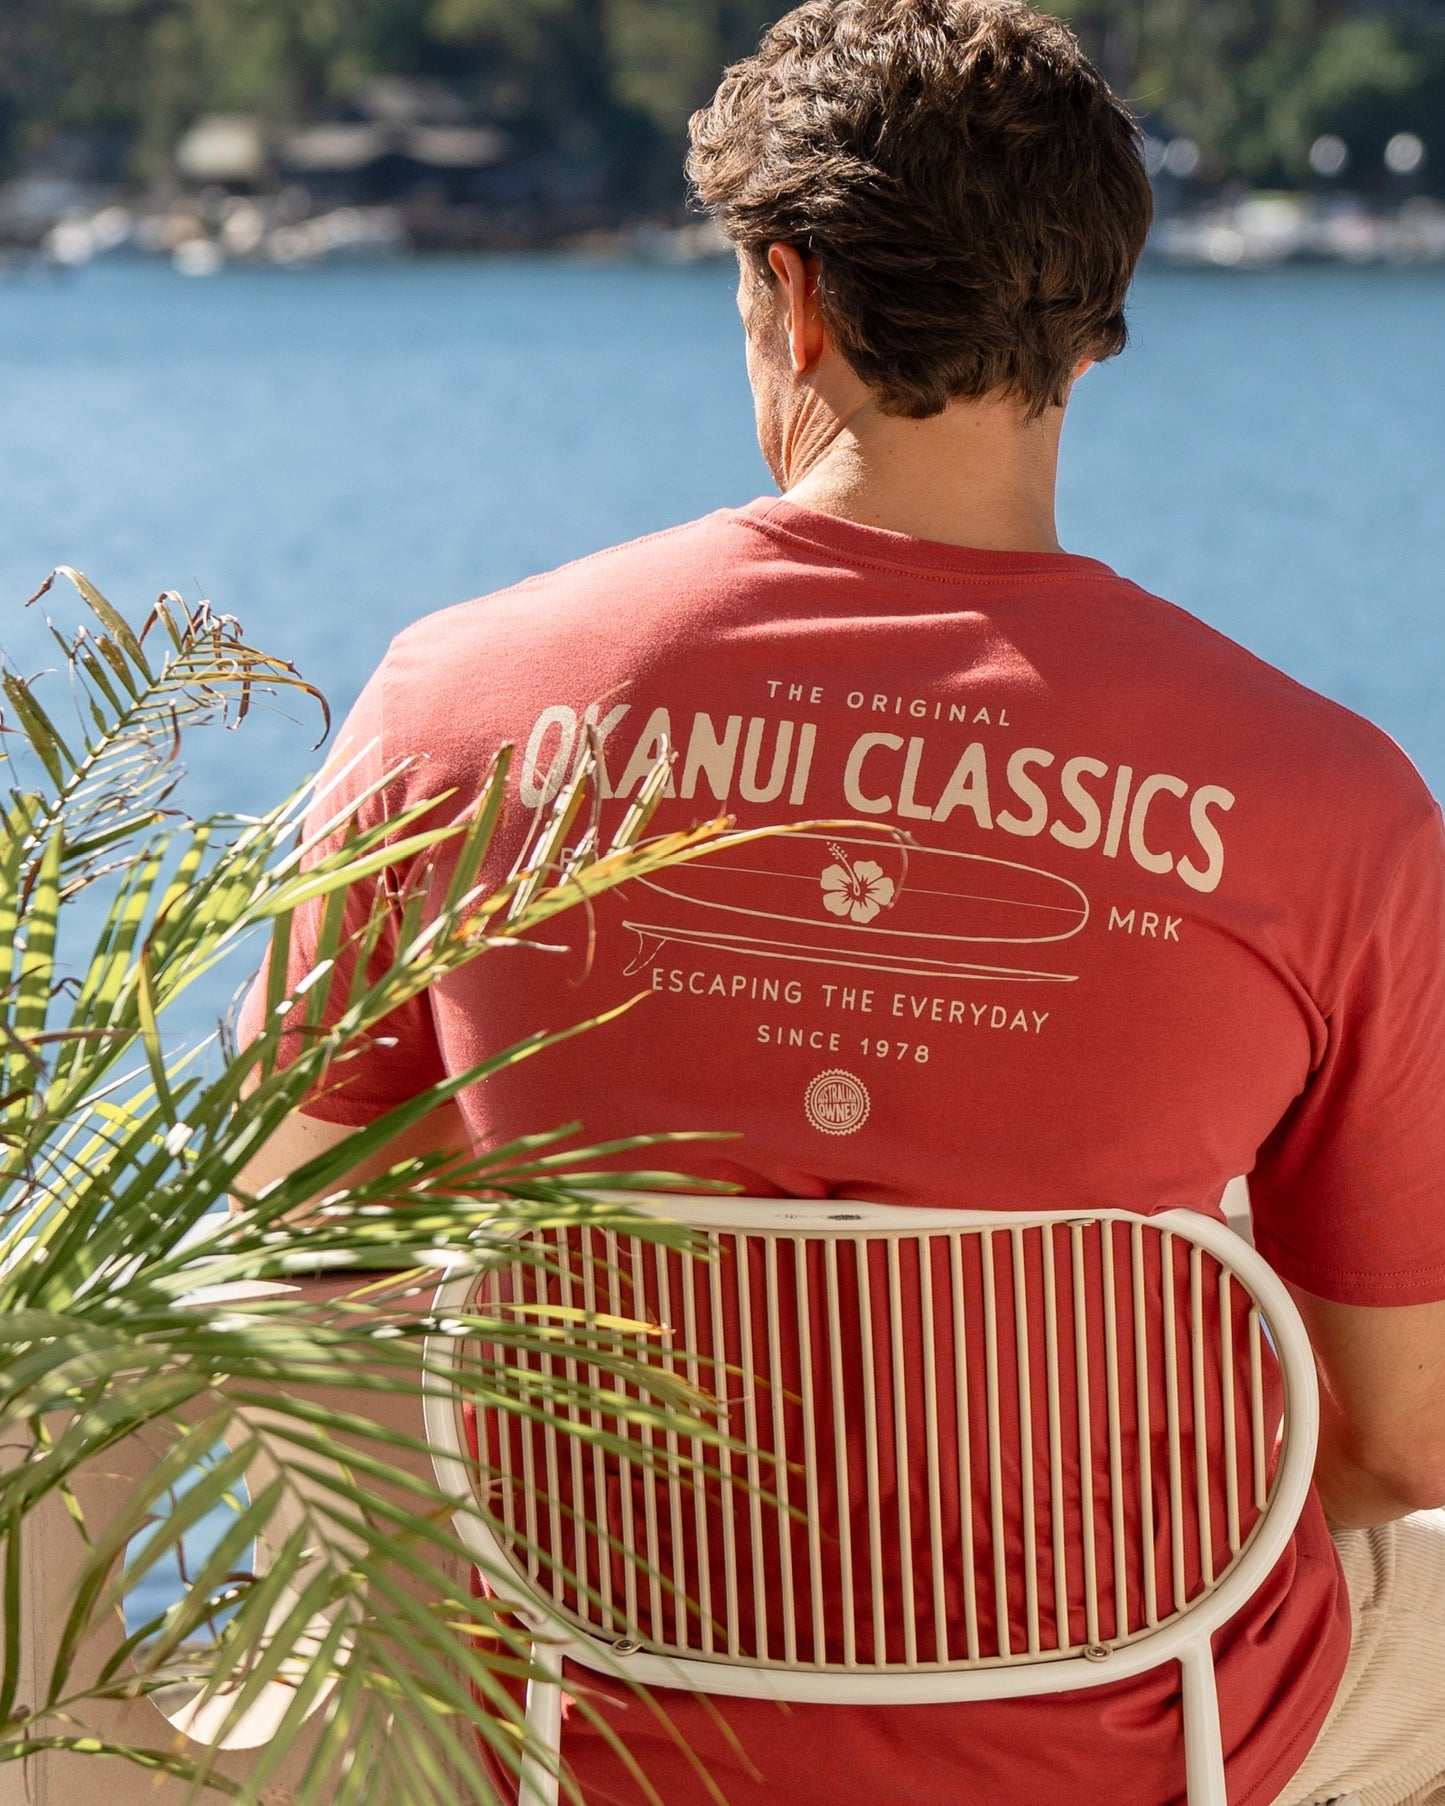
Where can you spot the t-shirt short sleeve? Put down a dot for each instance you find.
(1349, 1190)
(400, 1057)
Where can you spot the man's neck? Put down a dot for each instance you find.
(978, 474)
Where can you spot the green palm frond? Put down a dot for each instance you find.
(121, 1327)
(113, 772)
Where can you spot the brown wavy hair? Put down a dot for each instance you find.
(973, 191)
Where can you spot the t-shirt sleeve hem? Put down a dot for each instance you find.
(347, 1111)
(1341, 1285)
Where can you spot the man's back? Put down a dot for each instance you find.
(1099, 879)
(1097, 898)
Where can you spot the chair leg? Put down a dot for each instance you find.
(1203, 1745)
(539, 1783)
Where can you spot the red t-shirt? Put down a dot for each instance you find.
(1162, 916)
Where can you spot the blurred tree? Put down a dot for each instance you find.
(608, 84)
(554, 69)
(612, 78)
(1255, 82)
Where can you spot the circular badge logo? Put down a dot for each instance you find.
(836, 1102)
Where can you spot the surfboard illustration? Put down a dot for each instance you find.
(865, 902)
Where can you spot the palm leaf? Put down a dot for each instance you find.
(115, 1148)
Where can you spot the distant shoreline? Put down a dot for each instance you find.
(204, 233)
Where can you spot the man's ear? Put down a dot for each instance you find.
(797, 278)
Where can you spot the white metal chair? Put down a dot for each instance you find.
(881, 1538)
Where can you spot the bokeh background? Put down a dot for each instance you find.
(578, 105)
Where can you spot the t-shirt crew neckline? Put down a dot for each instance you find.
(879, 548)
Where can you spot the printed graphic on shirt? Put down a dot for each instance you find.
(867, 940)
(837, 1102)
(871, 903)
(1156, 820)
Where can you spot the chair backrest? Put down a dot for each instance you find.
(975, 1454)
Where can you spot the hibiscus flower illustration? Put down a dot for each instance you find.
(857, 889)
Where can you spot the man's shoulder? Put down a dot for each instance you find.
(647, 573)
(1198, 671)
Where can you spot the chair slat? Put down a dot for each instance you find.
(963, 1430)
(529, 1456)
(1256, 1410)
(1116, 1437)
(1226, 1393)
(493, 1354)
(1062, 1638)
(902, 1463)
(566, 1283)
(842, 1443)
(699, 1478)
(603, 1530)
(777, 1398)
(747, 1381)
(617, 1307)
(870, 1456)
(638, 1267)
(723, 1387)
(1002, 1633)
(1084, 1397)
(1202, 1479)
(551, 1464)
(932, 1469)
(811, 1497)
(1026, 1440)
(1173, 1434)
(677, 1536)
(1145, 1427)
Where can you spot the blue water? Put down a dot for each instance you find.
(330, 453)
